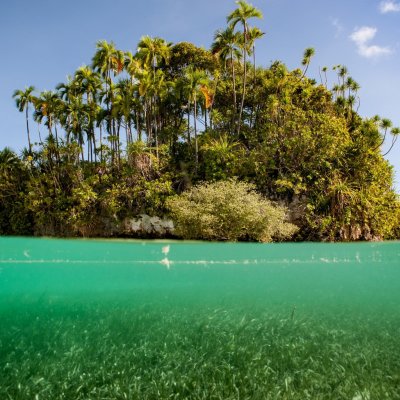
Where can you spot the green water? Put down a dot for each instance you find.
(167, 320)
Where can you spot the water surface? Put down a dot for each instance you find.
(85, 319)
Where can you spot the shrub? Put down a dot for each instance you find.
(228, 210)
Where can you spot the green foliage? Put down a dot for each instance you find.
(360, 204)
(185, 54)
(228, 210)
(221, 157)
(14, 176)
(82, 214)
(48, 203)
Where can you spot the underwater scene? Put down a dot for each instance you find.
(97, 319)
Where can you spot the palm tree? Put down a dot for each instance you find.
(324, 70)
(341, 75)
(195, 80)
(152, 51)
(241, 15)
(348, 84)
(226, 46)
(254, 34)
(75, 118)
(89, 83)
(47, 106)
(343, 71)
(335, 90)
(132, 66)
(124, 103)
(104, 62)
(384, 124)
(153, 88)
(308, 54)
(160, 88)
(355, 87)
(395, 135)
(107, 60)
(134, 69)
(22, 99)
(145, 93)
(68, 89)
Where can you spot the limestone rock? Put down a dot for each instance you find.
(146, 225)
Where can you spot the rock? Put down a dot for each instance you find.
(146, 225)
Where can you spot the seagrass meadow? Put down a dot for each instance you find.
(86, 319)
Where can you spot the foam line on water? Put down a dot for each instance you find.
(188, 262)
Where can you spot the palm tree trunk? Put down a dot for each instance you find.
(27, 130)
(244, 80)
(138, 129)
(101, 144)
(94, 144)
(234, 90)
(305, 70)
(212, 103)
(195, 133)
(156, 129)
(254, 85)
(56, 132)
(150, 117)
(127, 134)
(188, 121)
(117, 144)
(146, 121)
(114, 138)
(40, 136)
(394, 140)
(383, 140)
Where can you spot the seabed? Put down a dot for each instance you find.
(85, 319)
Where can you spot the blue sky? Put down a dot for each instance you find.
(43, 41)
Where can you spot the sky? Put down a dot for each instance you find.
(43, 41)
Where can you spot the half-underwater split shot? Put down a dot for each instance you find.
(179, 320)
(199, 200)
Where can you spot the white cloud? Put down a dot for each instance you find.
(389, 6)
(374, 51)
(338, 26)
(362, 36)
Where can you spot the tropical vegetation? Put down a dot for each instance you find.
(130, 130)
(215, 211)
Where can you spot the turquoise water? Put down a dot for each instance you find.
(85, 319)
